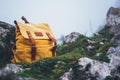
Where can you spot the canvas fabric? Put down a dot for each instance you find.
(43, 44)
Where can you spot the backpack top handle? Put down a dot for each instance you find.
(24, 19)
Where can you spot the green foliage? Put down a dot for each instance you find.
(48, 68)
(79, 74)
(101, 44)
(69, 47)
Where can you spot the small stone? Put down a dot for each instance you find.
(90, 47)
(98, 54)
(9, 69)
(101, 43)
(90, 41)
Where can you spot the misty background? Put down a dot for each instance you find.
(64, 16)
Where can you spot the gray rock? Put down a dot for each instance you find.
(114, 56)
(67, 75)
(5, 29)
(113, 16)
(90, 41)
(10, 69)
(7, 36)
(98, 54)
(96, 69)
(113, 20)
(7, 40)
(23, 78)
(116, 39)
(72, 37)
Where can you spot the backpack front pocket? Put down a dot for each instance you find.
(41, 52)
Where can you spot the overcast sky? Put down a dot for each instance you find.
(64, 16)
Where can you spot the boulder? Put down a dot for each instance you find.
(7, 38)
(9, 69)
(113, 20)
(72, 37)
(89, 69)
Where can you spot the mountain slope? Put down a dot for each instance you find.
(86, 58)
(69, 53)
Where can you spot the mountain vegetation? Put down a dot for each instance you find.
(68, 54)
(94, 47)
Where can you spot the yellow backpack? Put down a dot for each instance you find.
(33, 42)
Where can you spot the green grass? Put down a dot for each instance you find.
(49, 68)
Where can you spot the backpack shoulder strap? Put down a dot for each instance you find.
(55, 43)
(33, 46)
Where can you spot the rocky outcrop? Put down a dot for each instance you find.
(113, 17)
(10, 69)
(67, 75)
(7, 39)
(7, 31)
(113, 20)
(89, 69)
(93, 69)
(71, 37)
